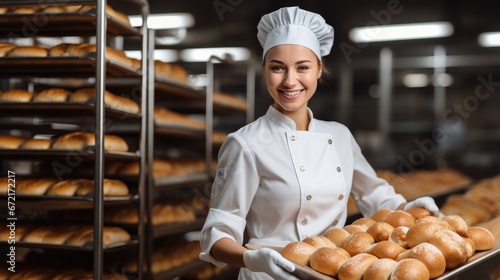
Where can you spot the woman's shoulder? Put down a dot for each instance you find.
(331, 125)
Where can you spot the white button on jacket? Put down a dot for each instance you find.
(267, 170)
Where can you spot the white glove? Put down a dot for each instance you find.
(424, 202)
(269, 261)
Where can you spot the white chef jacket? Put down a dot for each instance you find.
(284, 185)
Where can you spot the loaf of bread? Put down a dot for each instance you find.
(380, 215)
(110, 236)
(36, 144)
(112, 100)
(111, 188)
(5, 48)
(27, 51)
(34, 186)
(380, 231)
(16, 95)
(230, 100)
(110, 12)
(458, 223)
(354, 267)
(328, 260)
(27, 9)
(164, 116)
(410, 269)
(385, 249)
(399, 218)
(358, 242)
(452, 246)
(11, 141)
(69, 187)
(81, 140)
(337, 235)
(319, 241)
(52, 95)
(483, 238)
(162, 69)
(398, 236)
(380, 269)
(60, 234)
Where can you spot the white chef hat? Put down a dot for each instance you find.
(292, 25)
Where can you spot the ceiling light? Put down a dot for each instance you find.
(416, 80)
(401, 32)
(204, 54)
(163, 55)
(443, 80)
(489, 39)
(165, 21)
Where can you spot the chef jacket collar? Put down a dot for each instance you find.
(284, 121)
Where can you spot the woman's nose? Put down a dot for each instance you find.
(290, 79)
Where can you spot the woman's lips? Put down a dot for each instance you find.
(290, 93)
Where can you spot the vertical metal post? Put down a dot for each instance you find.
(385, 92)
(345, 98)
(209, 111)
(439, 90)
(99, 138)
(250, 93)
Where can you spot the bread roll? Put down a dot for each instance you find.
(380, 269)
(34, 187)
(380, 231)
(482, 238)
(27, 51)
(229, 100)
(410, 269)
(458, 223)
(452, 246)
(419, 212)
(337, 235)
(114, 235)
(178, 73)
(60, 234)
(357, 243)
(11, 142)
(111, 187)
(471, 211)
(68, 187)
(319, 241)
(24, 9)
(399, 218)
(5, 48)
(398, 236)
(162, 69)
(298, 252)
(421, 232)
(36, 235)
(385, 249)
(328, 260)
(16, 95)
(52, 95)
(354, 267)
(114, 101)
(36, 144)
(431, 219)
(168, 117)
(429, 255)
(355, 228)
(471, 247)
(80, 141)
(380, 215)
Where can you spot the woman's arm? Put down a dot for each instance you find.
(228, 251)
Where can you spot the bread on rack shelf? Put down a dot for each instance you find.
(230, 100)
(82, 140)
(112, 100)
(110, 12)
(27, 9)
(36, 144)
(16, 95)
(34, 186)
(83, 187)
(6, 47)
(166, 168)
(27, 51)
(164, 116)
(11, 141)
(52, 95)
(163, 213)
(171, 71)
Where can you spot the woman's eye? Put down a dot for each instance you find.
(303, 68)
(277, 68)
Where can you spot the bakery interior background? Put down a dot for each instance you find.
(411, 104)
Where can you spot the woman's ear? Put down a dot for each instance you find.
(320, 71)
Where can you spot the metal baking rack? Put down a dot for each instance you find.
(68, 66)
(175, 182)
(87, 153)
(86, 247)
(178, 130)
(53, 202)
(183, 227)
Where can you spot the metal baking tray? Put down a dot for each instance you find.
(60, 24)
(65, 66)
(179, 181)
(55, 202)
(474, 267)
(89, 246)
(51, 109)
(167, 88)
(28, 154)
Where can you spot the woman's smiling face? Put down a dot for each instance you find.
(291, 73)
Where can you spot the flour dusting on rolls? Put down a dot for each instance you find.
(385, 249)
(298, 252)
(418, 212)
(421, 232)
(357, 243)
(328, 260)
(380, 231)
(458, 223)
(380, 215)
(398, 236)
(399, 218)
(319, 241)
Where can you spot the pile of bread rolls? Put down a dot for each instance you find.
(71, 187)
(391, 244)
(478, 204)
(69, 141)
(67, 234)
(169, 256)
(61, 95)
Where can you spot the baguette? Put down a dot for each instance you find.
(27, 51)
(16, 95)
(36, 144)
(110, 99)
(110, 188)
(52, 95)
(11, 142)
